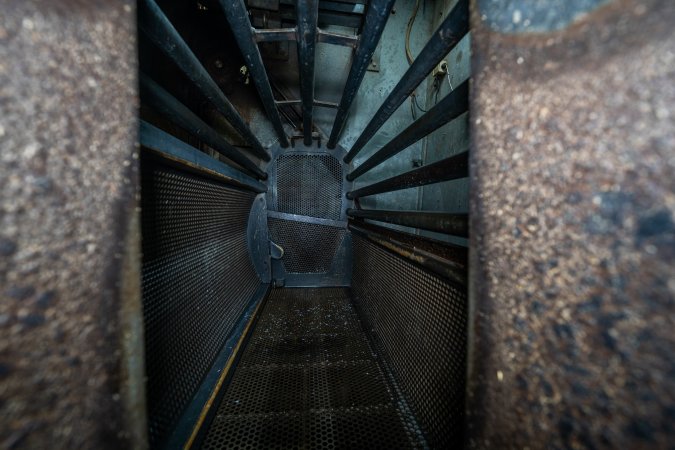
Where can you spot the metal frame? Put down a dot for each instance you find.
(189, 425)
(307, 219)
(440, 222)
(176, 150)
(162, 33)
(237, 16)
(451, 31)
(258, 239)
(450, 107)
(314, 150)
(446, 260)
(306, 33)
(447, 169)
(340, 272)
(163, 102)
(307, 12)
(376, 19)
(291, 34)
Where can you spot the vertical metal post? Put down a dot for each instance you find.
(374, 22)
(307, 13)
(237, 17)
(453, 28)
(159, 29)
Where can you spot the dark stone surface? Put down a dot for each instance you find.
(573, 196)
(67, 184)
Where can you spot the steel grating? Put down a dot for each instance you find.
(308, 247)
(418, 321)
(197, 280)
(309, 185)
(303, 385)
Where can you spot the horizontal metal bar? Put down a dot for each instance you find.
(202, 404)
(328, 37)
(174, 149)
(323, 104)
(164, 103)
(441, 222)
(339, 6)
(308, 219)
(326, 17)
(159, 29)
(287, 102)
(451, 106)
(237, 16)
(275, 34)
(318, 103)
(351, 2)
(291, 34)
(446, 169)
(453, 28)
(376, 18)
(446, 260)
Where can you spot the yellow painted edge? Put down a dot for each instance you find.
(221, 380)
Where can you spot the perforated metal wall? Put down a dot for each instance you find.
(197, 279)
(309, 185)
(418, 321)
(308, 247)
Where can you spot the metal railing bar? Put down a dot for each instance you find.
(450, 107)
(174, 149)
(275, 34)
(451, 31)
(447, 169)
(450, 264)
(164, 103)
(377, 14)
(324, 104)
(237, 16)
(287, 102)
(440, 222)
(344, 40)
(290, 34)
(317, 103)
(307, 12)
(162, 33)
(307, 219)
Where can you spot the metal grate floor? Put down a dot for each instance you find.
(308, 379)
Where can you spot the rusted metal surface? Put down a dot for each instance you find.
(69, 348)
(446, 260)
(346, 40)
(573, 235)
(440, 222)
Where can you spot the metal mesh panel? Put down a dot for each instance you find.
(308, 247)
(197, 279)
(309, 185)
(301, 384)
(418, 322)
